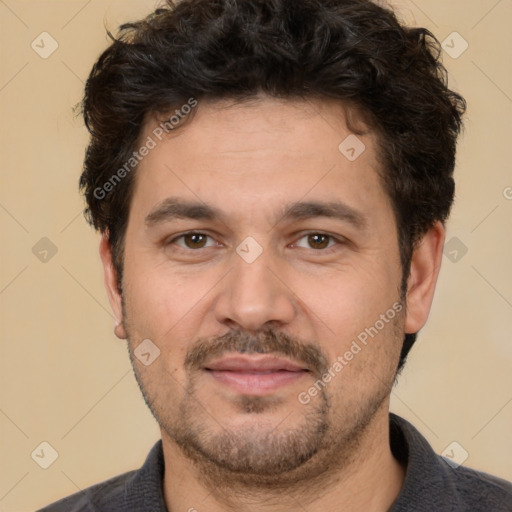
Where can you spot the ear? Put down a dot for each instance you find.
(425, 266)
(110, 280)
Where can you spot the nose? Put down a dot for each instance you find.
(255, 295)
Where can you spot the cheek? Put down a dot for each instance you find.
(348, 299)
(362, 319)
(159, 300)
(158, 309)
(364, 365)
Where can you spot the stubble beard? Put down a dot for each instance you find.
(257, 456)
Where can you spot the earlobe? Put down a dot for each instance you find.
(425, 266)
(110, 281)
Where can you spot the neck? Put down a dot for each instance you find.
(369, 479)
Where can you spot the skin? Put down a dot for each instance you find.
(304, 299)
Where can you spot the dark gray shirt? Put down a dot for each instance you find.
(431, 483)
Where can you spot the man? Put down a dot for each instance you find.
(271, 180)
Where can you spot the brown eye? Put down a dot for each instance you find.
(318, 241)
(194, 240)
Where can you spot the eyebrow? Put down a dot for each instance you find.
(174, 208)
(331, 209)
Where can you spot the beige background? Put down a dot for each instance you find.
(65, 378)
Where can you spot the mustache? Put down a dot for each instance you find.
(263, 342)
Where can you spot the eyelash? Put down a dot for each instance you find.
(327, 250)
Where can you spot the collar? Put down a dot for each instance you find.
(428, 476)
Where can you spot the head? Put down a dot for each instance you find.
(242, 108)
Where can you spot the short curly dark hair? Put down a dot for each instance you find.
(352, 50)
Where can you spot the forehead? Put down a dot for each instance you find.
(257, 154)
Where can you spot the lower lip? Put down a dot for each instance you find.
(256, 383)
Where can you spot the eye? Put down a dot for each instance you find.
(192, 240)
(318, 241)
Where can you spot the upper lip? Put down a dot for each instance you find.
(238, 363)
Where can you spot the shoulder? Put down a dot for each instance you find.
(479, 491)
(104, 496)
(137, 491)
(433, 482)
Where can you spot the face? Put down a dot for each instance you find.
(263, 265)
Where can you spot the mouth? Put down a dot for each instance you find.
(255, 375)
